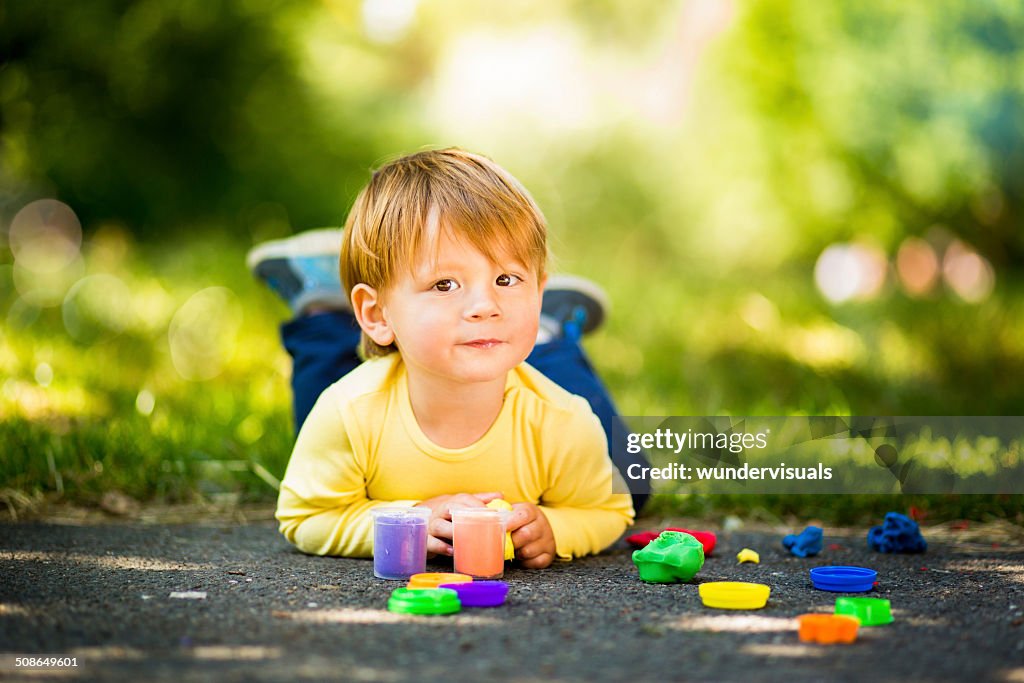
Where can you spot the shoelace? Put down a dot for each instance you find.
(573, 327)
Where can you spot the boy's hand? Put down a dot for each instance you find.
(532, 536)
(439, 528)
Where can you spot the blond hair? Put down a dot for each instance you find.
(469, 194)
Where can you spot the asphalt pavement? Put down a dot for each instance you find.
(251, 608)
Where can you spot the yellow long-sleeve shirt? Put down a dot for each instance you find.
(361, 447)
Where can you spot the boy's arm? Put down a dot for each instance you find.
(584, 514)
(322, 507)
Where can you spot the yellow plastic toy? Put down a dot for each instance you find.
(748, 555)
(502, 504)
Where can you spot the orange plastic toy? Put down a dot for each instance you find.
(827, 629)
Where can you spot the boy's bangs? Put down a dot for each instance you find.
(501, 237)
(493, 240)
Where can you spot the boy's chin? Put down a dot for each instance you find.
(488, 374)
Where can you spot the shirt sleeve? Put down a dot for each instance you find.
(586, 502)
(322, 507)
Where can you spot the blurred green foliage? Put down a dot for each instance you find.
(170, 117)
(881, 119)
(693, 157)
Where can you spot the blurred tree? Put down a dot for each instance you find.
(884, 119)
(168, 115)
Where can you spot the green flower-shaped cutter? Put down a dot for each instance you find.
(424, 601)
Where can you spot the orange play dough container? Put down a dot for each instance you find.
(479, 541)
(828, 629)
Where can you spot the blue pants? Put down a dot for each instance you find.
(323, 349)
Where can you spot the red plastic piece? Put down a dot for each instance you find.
(707, 539)
(641, 539)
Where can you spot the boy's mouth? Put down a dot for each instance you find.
(483, 343)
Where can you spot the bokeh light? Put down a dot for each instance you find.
(846, 272)
(490, 82)
(145, 402)
(386, 21)
(760, 312)
(825, 345)
(203, 333)
(250, 429)
(21, 314)
(917, 266)
(45, 238)
(968, 273)
(97, 308)
(45, 289)
(44, 374)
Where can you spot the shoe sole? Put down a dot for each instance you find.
(580, 284)
(309, 243)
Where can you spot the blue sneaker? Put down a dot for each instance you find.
(573, 306)
(302, 269)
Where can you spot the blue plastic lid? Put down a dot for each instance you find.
(480, 593)
(843, 579)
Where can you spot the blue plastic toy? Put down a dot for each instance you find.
(806, 544)
(898, 534)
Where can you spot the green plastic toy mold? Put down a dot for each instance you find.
(869, 611)
(672, 556)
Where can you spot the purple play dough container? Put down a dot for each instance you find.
(399, 542)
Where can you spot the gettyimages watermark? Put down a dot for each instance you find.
(843, 455)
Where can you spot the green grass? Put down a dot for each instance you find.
(106, 408)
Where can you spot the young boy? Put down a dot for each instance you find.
(443, 257)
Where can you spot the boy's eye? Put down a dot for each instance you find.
(446, 285)
(507, 280)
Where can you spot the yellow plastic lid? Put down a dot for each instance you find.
(435, 579)
(734, 594)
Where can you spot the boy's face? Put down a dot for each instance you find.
(463, 317)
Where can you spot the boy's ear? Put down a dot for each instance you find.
(369, 311)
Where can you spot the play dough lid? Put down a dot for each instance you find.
(843, 579)
(480, 593)
(734, 594)
(424, 601)
(869, 611)
(435, 579)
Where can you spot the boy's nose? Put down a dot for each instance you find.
(483, 304)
